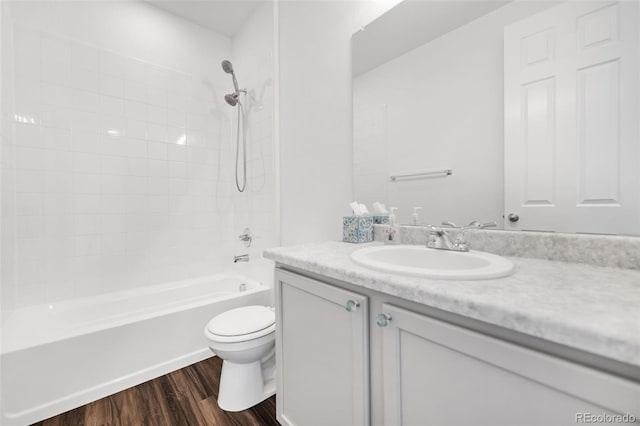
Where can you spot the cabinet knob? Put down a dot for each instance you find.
(351, 305)
(383, 320)
(513, 217)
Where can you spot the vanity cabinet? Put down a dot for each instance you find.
(436, 373)
(417, 369)
(322, 353)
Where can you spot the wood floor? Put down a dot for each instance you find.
(184, 397)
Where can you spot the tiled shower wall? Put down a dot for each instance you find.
(119, 170)
(256, 207)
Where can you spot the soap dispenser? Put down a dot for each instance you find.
(415, 217)
(393, 231)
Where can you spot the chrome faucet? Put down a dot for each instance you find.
(241, 258)
(440, 236)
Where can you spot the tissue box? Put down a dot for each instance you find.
(381, 220)
(357, 229)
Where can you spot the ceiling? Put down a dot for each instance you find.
(411, 24)
(222, 16)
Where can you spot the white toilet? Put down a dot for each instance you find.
(245, 340)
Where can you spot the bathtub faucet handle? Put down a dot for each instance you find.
(246, 237)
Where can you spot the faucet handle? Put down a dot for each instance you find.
(449, 224)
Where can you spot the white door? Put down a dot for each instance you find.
(322, 353)
(572, 131)
(438, 374)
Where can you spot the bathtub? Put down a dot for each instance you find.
(61, 356)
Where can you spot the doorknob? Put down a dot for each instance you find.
(513, 217)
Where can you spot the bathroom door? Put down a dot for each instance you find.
(572, 155)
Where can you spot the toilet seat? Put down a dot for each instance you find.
(241, 324)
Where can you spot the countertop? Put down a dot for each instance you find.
(591, 308)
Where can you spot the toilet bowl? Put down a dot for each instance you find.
(244, 338)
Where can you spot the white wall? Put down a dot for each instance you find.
(255, 208)
(315, 114)
(438, 106)
(122, 150)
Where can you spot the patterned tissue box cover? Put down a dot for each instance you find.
(381, 220)
(357, 229)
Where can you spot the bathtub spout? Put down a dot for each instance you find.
(241, 258)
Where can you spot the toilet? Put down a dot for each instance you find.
(244, 338)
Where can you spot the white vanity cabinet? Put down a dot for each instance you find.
(436, 373)
(418, 370)
(322, 353)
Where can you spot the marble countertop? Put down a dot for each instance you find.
(591, 308)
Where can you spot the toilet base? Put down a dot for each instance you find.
(244, 385)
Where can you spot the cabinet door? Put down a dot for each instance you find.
(322, 353)
(440, 374)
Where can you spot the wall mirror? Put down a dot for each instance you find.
(522, 112)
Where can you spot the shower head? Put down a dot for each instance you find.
(227, 67)
(231, 99)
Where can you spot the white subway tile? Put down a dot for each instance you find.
(112, 64)
(85, 100)
(135, 185)
(111, 85)
(176, 135)
(56, 138)
(86, 183)
(58, 204)
(29, 204)
(86, 204)
(136, 167)
(110, 105)
(28, 181)
(58, 182)
(156, 132)
(135, 110)
(85, 80)
(135, 129)
(158, 168)
(54, 116)
(84, 162)
(135, 90)
(85, 57)
(86, 142)
(87, 245)
(113, 184)
(87, 224)
(27, 135)
(55, 94)
(28, 158)
(177, 152)
(113, 165)
(58, 226)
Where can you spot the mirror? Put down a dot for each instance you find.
(522, 112)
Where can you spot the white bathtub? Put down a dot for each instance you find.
(58, 357)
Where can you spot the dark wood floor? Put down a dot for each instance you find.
(184, 397)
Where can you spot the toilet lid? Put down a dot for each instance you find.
(241, 321)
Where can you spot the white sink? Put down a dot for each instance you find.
(421, 261)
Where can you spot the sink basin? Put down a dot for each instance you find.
(420, 261)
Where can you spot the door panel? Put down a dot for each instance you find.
(572, 137)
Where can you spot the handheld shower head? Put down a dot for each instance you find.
(228, 68)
